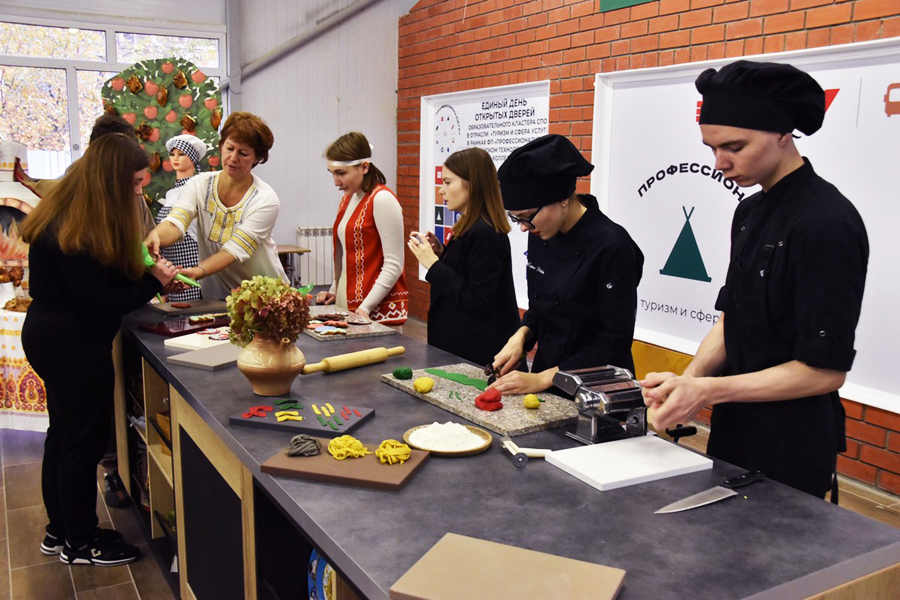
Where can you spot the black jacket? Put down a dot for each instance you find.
(794, 288)
(582, 294)
(473, 308)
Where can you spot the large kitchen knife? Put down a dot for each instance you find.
(720, 492)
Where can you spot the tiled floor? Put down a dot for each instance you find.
(26, 574)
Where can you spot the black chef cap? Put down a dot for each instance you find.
(762, 96)
(541, 172)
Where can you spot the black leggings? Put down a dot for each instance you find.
(80, 404)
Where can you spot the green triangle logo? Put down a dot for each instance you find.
(685, 260)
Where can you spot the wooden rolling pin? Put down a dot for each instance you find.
(353, 360)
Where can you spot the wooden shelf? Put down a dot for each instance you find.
(163, 462)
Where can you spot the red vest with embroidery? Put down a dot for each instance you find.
(364, 259)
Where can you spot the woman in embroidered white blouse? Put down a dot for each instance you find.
(235, 212)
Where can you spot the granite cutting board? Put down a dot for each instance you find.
(513, 419)
(353, 332)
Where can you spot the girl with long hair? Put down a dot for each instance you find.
(86, 272)
(473, 307)
(367, 236)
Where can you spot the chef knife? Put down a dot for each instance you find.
(720, 492)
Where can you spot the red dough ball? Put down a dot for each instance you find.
(489, 400)
(488, 405)
(491, 395)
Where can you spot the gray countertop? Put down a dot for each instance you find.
(776, 543)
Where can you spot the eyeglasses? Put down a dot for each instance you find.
(526, 221)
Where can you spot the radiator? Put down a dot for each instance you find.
(317, 265)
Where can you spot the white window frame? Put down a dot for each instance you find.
(110, 65)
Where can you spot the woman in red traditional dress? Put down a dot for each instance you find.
(368, 237)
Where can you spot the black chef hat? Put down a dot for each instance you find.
(541, 172)
(762, 96)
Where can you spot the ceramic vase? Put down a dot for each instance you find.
(270, 365)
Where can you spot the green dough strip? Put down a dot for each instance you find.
(337, 420)
(480, 384)
(322, 421)
(333, 426)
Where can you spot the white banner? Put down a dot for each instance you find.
(657, 179)
(499, 120)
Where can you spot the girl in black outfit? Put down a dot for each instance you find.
(583, 270)
(473, 307)
(86, 272)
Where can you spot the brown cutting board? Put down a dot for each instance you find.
(182, 326)
(364, 472)
(464, 567)
(513, 419)
(196, 307)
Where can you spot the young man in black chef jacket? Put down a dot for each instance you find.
(771, 367)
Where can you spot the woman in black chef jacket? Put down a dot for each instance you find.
(583, 270)
(473, 307)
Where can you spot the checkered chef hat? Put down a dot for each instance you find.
(190, 145)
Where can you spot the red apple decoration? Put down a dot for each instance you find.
(151, 88)
(118, 84)
(150, 112)
(130, 117)
(186, 100)
(171, 117)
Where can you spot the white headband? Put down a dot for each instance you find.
(351, 163)
(348, 163)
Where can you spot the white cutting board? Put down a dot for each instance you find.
(621, 463)
(195, 341)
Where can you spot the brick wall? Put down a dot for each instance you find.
(456, 45)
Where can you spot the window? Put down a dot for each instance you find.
(51, 77)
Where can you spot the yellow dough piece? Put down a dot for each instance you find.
(423, 385)
(347, 446)
(531, 401)
(393, 452)
(316, 409)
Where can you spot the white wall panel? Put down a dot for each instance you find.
(177, 14)
(343, 80)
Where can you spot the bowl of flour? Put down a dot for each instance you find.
(448, 439)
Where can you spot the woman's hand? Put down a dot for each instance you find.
(195, 273)
(362, 312)
(174, 287)
(517, 382)
(153, 244)
(424, 252)
(164, 271)
(511, 354)
(435, 244)
(325, 298)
